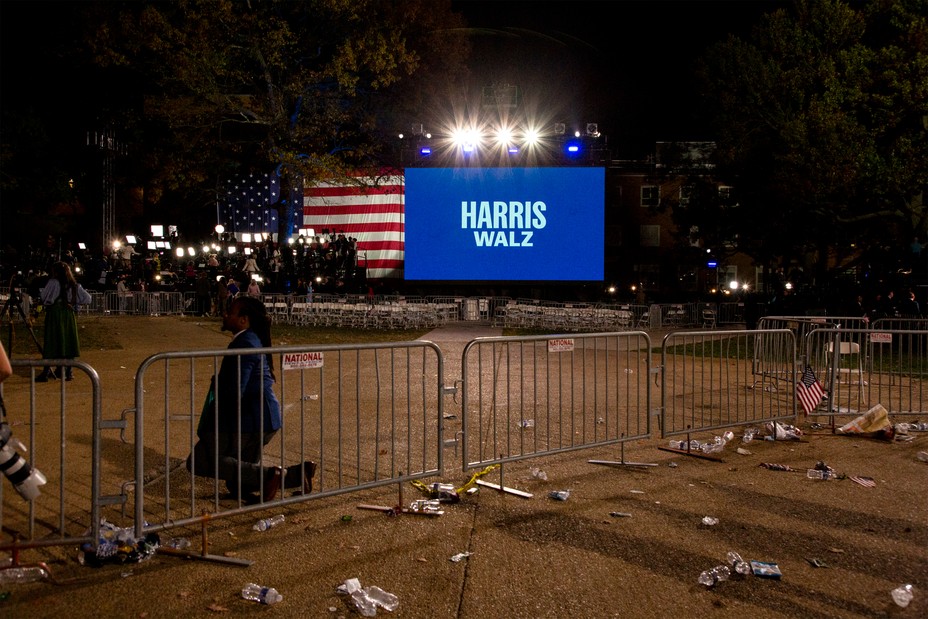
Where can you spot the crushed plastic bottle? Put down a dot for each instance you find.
(749, 435)
(559, 495)
(902, 595)
(710, 521)
(267, 523)
(537, 473)
(262, 595)
(22, 574)
(739, 565)
(718, 443)
(818, 474)
(714, 576)
(367, 600)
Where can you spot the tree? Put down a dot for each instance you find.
(820, 120)
(304, 87)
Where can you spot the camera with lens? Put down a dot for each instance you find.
(25, 479)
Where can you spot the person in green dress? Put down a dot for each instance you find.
(61, 297)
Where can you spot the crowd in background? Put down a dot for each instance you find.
(324, 263)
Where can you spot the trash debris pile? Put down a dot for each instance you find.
(117, 545)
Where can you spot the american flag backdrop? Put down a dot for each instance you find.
(368, 208)
(250, 203)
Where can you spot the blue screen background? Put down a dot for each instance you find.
(568, 248)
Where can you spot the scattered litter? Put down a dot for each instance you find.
(716, 575)
(922, 456)
(620, 514)
(817, 562)
(672, 465)
(782, 432)
(118, 545)
(875, 422)
(527, 423)
(346, 518)
(449, 416)
(637, 491)
(710, 521)
(766, 570)
(537, 473)
(777, 467)
(902, 595)
(177, 543)
(559, 495)
(738, 565)
(461, 555)
(367, 599)
(866, 482)
(839, 551)
(744, 452)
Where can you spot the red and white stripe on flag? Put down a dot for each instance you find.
(368, 208)
(808, 391)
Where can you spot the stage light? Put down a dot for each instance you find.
(246, 237)
(425, 151)
(131, 240)
(191, 251)
(180, 252)
(81, 246)
(157, 230)
(560, 128)
(152, 245)
(573, 148)
(219, 228)
(231, 249)
(205, 249)
(531, 137)
(116, 244)
(513, 149)
(259, 237)
(592, 130)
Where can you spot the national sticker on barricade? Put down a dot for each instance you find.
(561, 345)
(302, 360)
(881, 337)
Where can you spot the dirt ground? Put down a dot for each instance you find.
(627, 542)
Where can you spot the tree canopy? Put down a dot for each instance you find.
(310, 88)
(821, 121)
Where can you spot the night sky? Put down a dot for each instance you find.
(626, 65)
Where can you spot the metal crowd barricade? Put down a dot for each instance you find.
(865, 367)
(524, 397)
(61, 440)
(771, 361)
(368, 415)
(708, 380)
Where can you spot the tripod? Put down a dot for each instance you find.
(15, 300)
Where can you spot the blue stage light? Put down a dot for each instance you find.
(425, 151)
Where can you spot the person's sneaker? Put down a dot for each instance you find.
(300, 476)
(272, 479)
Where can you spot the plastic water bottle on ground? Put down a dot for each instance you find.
(817, 474)
(267, 523)
(902, 595)
(22, 574)
(384, 599)
(739, 565)
(262, 595)
(714, 576)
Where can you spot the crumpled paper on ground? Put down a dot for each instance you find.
(875, 422)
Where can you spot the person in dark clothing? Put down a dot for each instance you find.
(244, 386)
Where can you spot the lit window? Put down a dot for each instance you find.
(650, 195)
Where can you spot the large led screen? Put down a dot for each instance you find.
(504, 224)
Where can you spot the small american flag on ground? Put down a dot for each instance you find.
(866, 482)
(809, 391)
